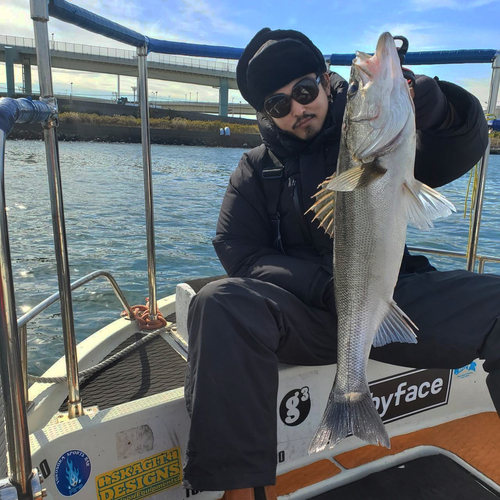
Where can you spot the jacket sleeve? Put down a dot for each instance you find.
(446, 154)
(243, 241)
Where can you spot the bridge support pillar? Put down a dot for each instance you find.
(9, 69)
(28, 90)
(223, 96)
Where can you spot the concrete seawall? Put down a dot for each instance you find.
(105, 133)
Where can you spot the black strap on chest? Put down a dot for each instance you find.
(272, 177)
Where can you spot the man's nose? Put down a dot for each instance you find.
(297, 109)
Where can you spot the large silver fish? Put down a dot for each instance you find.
(375, 195)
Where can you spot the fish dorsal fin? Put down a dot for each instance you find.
(396, 327)
(357, 177)
(424, 204)
(324, 207)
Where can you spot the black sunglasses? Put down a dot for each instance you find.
(304, 92)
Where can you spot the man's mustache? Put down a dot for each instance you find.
(302, 118)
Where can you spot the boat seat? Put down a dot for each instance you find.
(184, 292)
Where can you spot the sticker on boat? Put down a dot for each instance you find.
(141, 479)
(295, 406)
(72, 472)
(465, 371)
(408, 393)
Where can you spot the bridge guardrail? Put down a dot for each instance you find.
(95, 50)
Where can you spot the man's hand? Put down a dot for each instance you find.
(431, 105)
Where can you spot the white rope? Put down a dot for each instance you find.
(94, 369)
(4, 472)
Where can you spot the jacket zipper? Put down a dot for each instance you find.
(299, 211)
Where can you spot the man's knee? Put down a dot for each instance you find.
(215, 296)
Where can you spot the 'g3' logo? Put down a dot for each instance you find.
(295, 406)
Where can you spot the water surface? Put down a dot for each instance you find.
(104, 207)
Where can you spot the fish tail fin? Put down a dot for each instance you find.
(424, 204)
(396, 327)
(349, 413)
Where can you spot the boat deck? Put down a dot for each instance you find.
(431, 478)
(152, 368)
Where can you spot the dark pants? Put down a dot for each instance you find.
(241, 328)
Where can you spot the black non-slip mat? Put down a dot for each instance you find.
(434, 477)
(152, 368)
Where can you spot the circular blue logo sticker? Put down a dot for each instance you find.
(72, 472)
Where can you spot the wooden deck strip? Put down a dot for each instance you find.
(475, 439)
(305, 476)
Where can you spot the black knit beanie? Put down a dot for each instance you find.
(273, 59)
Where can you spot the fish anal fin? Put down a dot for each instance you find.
(424, 204)
(396, 327)
(357, 177)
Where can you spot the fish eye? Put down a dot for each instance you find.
(353, 88)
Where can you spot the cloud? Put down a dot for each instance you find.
(199, 21)
(422, 36)
(421, 5)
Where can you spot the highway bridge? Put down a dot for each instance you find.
(216, 73)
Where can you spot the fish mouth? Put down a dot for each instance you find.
(386, 50)
(361, 63)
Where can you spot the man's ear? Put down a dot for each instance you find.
(325, 81)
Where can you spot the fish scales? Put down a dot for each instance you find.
(373, 196)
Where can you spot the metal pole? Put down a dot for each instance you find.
(23, 344)
(16, 421)
(40, 16)
(478, 208)
(142, 54)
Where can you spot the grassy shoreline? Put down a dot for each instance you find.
(166, 123)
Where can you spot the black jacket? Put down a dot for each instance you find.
(245, 236)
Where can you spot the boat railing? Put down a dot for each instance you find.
(10, 353)
(480, 259)
(22, 322)
(16, 422)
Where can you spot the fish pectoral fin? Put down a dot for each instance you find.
(324, 206)
(396, 327)
(357, 177)
(424, 204)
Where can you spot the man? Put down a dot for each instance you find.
(278, 304)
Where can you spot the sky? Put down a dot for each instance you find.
(334, 26)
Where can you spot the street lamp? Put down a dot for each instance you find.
(189, 96)
(71, 91)
(240, 109)
(156, 99)
(196, 96)
(133, 90)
